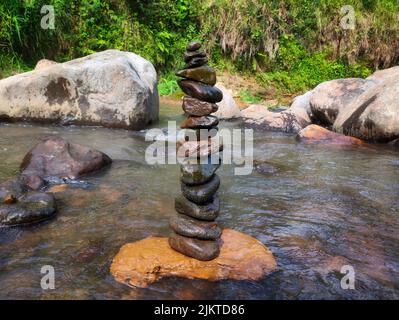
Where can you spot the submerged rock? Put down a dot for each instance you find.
(30, 208)
(54, 156)
(207, 212)
(144, 262)
(316, 134)
(201, 194)
(111, 88)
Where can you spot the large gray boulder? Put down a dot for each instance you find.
(374, 114)
(367, 109)
(331, 97)
(228, 109)
(110, 88)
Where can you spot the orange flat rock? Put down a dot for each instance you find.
(242, 257)
(316, 134)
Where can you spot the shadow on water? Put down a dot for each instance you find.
(316, 207)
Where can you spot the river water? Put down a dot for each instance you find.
(321, 207)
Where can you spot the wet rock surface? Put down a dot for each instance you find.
(207, 212)
(194, 173)
(30, 208)
(204, 74)
(203, 193)
(190, 227)
(54, 156)
(144, 262)
(198, 108)
(204, 122)
(203, 250)
(199, 182)
(201, 91)
(316, 134)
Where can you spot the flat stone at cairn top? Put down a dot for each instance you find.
(241, 257)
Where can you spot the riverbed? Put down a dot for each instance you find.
(318, 208)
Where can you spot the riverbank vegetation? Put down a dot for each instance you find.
(286, 47)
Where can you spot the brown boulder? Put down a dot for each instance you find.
(316, 134)
(144, 262)
(56, 157)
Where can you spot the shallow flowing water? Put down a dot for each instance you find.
(323, 207)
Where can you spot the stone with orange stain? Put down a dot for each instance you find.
(242, 257)
(9, 199)
(316, 134)
(58, 188)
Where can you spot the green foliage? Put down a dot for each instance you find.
(247, 97)
(296, 70)
(291, 45)
(168, 85)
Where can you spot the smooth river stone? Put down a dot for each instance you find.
(204, 74)
(189, 55)
(204, 122)
(193, 228)
(198, 108)
(203, 250)
(201, 91)
(198, 149)
(197, 173)
(203, 193)
(30, 208)
(206, 212)
(193, 46)
(196, 62)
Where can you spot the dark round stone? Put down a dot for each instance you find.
(190, 227)
(193, 45)
(193, 173)
(206, 212)
(198, 108)
(204, 250)
(11, 188)
(201, 91)
(204, 122)
(196, 62)
(203, 193)
(204, 74)
(30, 208)
(189, 55)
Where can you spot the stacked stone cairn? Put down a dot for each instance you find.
(195, 232)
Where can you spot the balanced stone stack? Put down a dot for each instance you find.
(196, 234)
